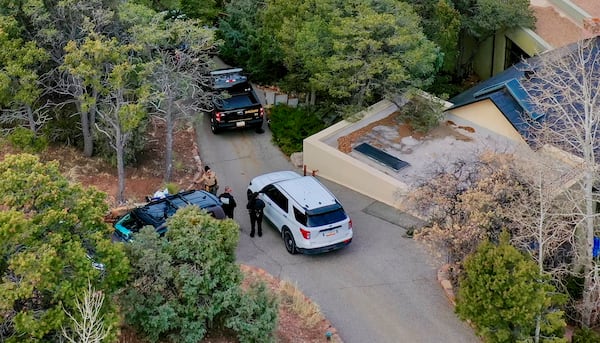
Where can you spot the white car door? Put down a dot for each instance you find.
(276, 206)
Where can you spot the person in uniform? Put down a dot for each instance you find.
(228, 202)
(255, 209)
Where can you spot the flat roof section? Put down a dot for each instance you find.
(553, 26)
(592, 7)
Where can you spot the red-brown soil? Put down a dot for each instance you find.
(144, 177)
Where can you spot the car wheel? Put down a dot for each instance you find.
(288, 239)
(213, 126)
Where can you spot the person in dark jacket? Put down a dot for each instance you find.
(228, 202)
(255, 209)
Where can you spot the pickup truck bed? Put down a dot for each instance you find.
(239, 101)
(235, 105)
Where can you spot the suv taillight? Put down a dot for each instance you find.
(218, 116)
(305, 233)
(350, 224)
(261, 112)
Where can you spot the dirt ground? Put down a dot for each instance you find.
(146, 177)
(346, 143)
(142, 178)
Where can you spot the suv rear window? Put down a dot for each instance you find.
(333, 214)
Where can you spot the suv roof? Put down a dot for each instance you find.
(228, 78)
(156, 212)
(266, 179)
(306, 190)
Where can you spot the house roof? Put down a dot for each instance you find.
(511, 92)
(506, 92)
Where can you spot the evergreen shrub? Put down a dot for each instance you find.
(27, 141)
(585, 335)
(291, 125)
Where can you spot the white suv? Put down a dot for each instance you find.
(308, 216)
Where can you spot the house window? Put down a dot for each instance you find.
(514, 54)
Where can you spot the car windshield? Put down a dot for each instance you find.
(237, 101)
(325, 218)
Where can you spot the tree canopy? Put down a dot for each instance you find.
(188, 281)
(503, 293)
(51, 233)
(483, 18)
(246, 42)
(20, 85)
(351, 52)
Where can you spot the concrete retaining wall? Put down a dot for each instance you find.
(322, 156)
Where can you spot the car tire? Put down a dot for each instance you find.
(213, 127)
(288, 240)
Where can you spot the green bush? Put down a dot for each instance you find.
(48, 228)
(503, 293)
(291, 125)
(188, 282)
(27, 141)
(585, 335)
(172, 187)
(444, 87)
(254, 317)
(421, 113)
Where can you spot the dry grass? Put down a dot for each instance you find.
(291, 297)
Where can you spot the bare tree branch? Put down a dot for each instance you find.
(87, 322)
(564, 86)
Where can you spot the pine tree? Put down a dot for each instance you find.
(503, 294)
(51, 233)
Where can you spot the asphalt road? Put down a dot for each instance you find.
(381, 288)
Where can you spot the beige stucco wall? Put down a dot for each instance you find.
(332, 164)
(490, 56)
(485, 114)
(528, 40)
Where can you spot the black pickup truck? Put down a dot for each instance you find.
(235, 105)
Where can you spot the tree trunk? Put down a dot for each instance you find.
(86, 131)
(540, 258)
(120, 169)
(170, 125)
(31, 119)
(88, 119)
(586, 244)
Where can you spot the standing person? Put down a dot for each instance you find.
(228, 202)
(209, 180)
(255, 209)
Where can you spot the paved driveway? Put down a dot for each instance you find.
(381, 288)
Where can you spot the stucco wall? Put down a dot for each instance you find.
(490, 56)
(485, 114)
(528, 40)
(322, 156)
